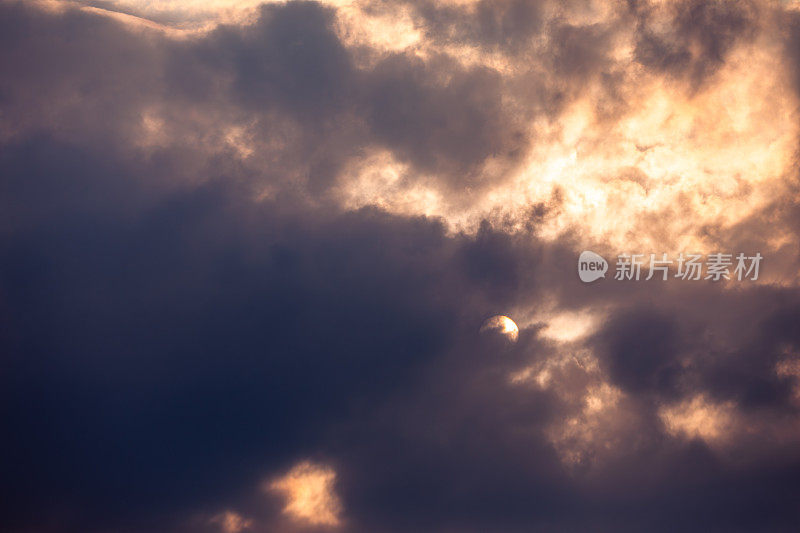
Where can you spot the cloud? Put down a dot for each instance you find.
(230, 522)
(696, 38)
(309, 493)
(263, 250)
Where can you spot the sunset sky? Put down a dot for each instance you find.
(312, 267)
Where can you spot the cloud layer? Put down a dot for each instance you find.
(245, 255)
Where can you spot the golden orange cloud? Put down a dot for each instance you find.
(650, 162)
(308, 489)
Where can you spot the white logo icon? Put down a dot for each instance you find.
(591, 266)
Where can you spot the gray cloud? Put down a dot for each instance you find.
(697, 39)
(168, 343)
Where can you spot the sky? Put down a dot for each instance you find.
(250, 254)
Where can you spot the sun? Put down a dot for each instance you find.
(501, 325)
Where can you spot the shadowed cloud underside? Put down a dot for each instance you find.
(248, 252)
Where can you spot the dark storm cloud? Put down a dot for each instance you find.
(446, 434)
(437, 115)
(697, 39)
(193, 334)
(168, 343)
(161, 365)
(58, 77)
(641, 351)
(142, 354)
(290, 58)
(725, 345)
(414, 113)
(286, 75)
